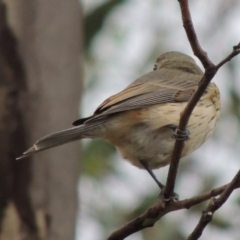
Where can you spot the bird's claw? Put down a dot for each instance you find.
(173, 198)
(181, 135)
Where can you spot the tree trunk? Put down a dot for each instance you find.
(48, 34)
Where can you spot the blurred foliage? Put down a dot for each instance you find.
(94, 21)
(221, 223)
(96, 157)
(163, 230)
(234, 90)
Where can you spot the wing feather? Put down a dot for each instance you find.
(142, 94)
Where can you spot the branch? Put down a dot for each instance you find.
(210, 71)
(192, 36)
(152, 215)
(214, 205)
(235, 52)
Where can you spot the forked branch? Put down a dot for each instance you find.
(153, 214)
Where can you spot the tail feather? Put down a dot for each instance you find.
(56, 139)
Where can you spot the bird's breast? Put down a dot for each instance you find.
(146, 133)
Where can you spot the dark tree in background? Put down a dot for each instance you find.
(40, 85)
(15, 177)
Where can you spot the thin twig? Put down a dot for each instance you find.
(184, 118)
(235, 52)
(152, 215)
(210, 71)
(192, 36)
(214, 205)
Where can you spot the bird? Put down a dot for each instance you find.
(141, 119)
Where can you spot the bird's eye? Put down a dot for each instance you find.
(155, 67)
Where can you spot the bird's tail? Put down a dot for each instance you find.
(58, 138)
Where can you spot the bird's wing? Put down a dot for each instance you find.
(131, 91)
(148, 99)
(141, 94)
(161, 86)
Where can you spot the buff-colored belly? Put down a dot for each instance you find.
(146, 134)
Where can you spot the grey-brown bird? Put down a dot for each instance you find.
(141, 119)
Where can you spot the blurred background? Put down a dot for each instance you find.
(58, 61)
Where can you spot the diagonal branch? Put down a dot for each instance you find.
(152, 215)
(235, 52)
(210, 71)
(214, 205)
(192, 36)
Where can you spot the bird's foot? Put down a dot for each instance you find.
(173, 198)
(181, 135)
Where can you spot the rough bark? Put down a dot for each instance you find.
(15, 177)
(48, 33)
